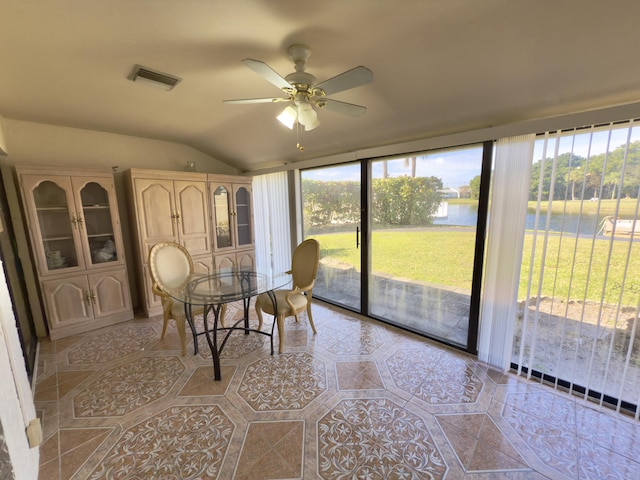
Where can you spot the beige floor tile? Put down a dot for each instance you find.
(272, 450)
(358, 376)
(201, 382)
(479, 444)
(358, 399)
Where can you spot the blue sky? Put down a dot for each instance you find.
(579, 142)
(454, 167)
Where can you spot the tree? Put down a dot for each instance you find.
(565, 164)
(395, 201)
(599, 175)
(474, 187)
(574, 176)
(405, 200)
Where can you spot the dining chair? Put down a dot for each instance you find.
(291, 302)
(170, 264)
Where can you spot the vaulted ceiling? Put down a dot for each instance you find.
(439, 67)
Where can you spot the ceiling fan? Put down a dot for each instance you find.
(304, 94)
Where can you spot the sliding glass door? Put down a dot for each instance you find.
(331, 214)
(413, 265)
(424, 213)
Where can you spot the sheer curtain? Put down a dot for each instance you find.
(271, 219)
(507, 215)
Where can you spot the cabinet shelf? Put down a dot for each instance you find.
(98, 235)
(61, 208)
(56, 239)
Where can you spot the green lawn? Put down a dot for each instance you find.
(446, 258)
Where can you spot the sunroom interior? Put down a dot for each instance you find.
(524, 80)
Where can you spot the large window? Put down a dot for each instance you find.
(398, 238)
(424, 213)
(332, 215)
(580, 282)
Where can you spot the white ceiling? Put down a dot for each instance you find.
(439, 66)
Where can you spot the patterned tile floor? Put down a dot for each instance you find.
(359, 400)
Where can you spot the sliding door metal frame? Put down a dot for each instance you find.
(478, 264)
(478, 260)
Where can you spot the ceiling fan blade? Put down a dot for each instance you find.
(343, 107)
(257, 100)
(349, 79)
(266, 72)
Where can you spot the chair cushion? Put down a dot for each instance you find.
(299, 301)
(304, 264)
(177, 309)
(170, 266)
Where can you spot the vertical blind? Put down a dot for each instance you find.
(271, 220)
(579, 292)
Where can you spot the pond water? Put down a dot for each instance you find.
(467, 215)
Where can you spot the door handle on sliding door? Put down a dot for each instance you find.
(357, 237)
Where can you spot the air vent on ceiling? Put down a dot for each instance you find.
(153, 78)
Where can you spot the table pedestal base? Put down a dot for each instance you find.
(212, 333)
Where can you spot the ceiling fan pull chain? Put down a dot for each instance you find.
(299, 131)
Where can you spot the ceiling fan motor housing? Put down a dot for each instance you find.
(299, 53)
(301, 80)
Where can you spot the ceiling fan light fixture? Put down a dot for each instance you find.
(288, 117)
(312, 125)
(307, 116)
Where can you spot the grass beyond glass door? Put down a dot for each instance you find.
(424, 213)
(331, 214)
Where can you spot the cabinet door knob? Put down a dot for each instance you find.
(77, 221)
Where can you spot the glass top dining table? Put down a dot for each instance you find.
(212, 291)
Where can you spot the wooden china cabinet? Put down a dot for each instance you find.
(233, 240)
(168, 207)
(76, 241)
(210, 215)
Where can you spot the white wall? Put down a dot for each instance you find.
(28, 142)
(3, 143)
(16, 400)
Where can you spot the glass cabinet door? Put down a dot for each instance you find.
(56, 223)
(98, 224)
(222, 218)
(243, 216)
